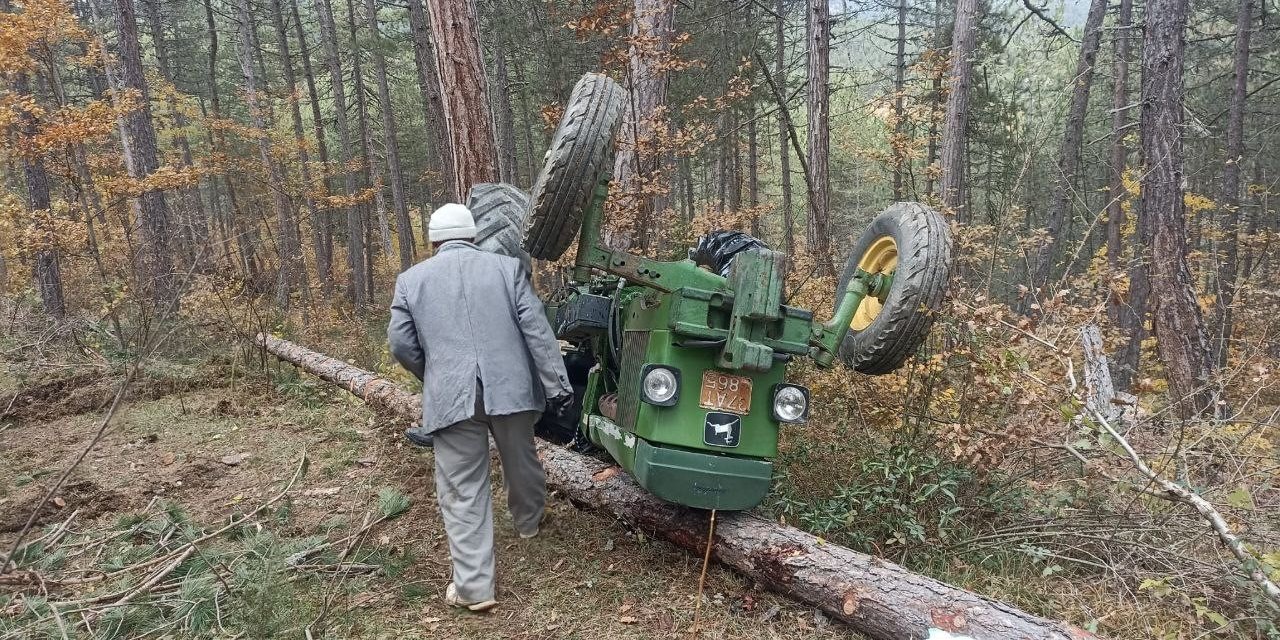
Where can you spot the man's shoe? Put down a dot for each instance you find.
(537, 528)
(418, 435)
(451, 598)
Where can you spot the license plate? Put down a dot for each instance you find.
(723, 392)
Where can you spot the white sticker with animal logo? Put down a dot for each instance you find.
(722, 429)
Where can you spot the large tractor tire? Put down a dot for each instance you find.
(581, 152)
(912, 242)
(500, 211)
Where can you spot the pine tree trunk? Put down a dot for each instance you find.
(440, 153)
(321, 223)
(460, 66)
(372, 168)
(404, 228)
(356, 265)
(1068, 165)
(287, 245)
(639, 164)
(46, 268)
(952, 188)
(818, 38)
(191, 217)
(784, 154)
(898, 144)
(753, 167)
(1176, 318)
(323, 268)
(503, 116)
(1117, 193)
(155, 268)
(1230, 201)
(233, 219)
(936, 104)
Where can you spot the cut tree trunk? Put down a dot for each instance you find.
(877, 598)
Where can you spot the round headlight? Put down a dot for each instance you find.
(790, 404)
(660, 385)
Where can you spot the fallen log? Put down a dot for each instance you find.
(875, 597)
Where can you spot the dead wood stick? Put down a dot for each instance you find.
(875, 597)
(1175, 492)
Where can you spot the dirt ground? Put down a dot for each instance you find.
(223, 449)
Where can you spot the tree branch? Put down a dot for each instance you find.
(1045, 17)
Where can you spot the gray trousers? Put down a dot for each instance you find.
(465, 495)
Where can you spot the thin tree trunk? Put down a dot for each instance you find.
(191, 217)
(275, 177)
(784, 154)
(936, 104)
(356, 264)
(321, 223)
(404, 229)
(1176, 318)
(245, 247)
(753, 168)
(952, 188)
(460, 66)
(818, 38)
(46, 268)
(531, 152)
(504, 129)
(898, 144)
(1230, 201)
(155, 268)
(372, 168)
(440, 153)
(1068, 165)
(1117, 193)
(323, 268)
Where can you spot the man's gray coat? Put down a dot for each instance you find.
(466, 314)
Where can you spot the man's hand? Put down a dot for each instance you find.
(560, 404)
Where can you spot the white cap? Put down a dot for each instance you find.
(451, 222)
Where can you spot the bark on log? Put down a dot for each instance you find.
(877, 598)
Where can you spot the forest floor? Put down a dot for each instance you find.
(194, 453)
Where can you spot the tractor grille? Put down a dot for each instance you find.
(634, 346)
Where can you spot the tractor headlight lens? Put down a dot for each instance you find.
(660, 385)
(790, 403)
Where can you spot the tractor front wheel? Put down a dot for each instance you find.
(912, 243)
(581, 153)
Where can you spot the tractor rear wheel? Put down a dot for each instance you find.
(500, 211)
(581, 151)
(911, 242)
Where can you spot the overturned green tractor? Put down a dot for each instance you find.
(680, 370)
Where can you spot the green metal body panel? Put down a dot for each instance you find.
(694, 479)
(681, 316)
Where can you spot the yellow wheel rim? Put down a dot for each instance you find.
(880, 257)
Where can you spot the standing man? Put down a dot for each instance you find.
(468, 324)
